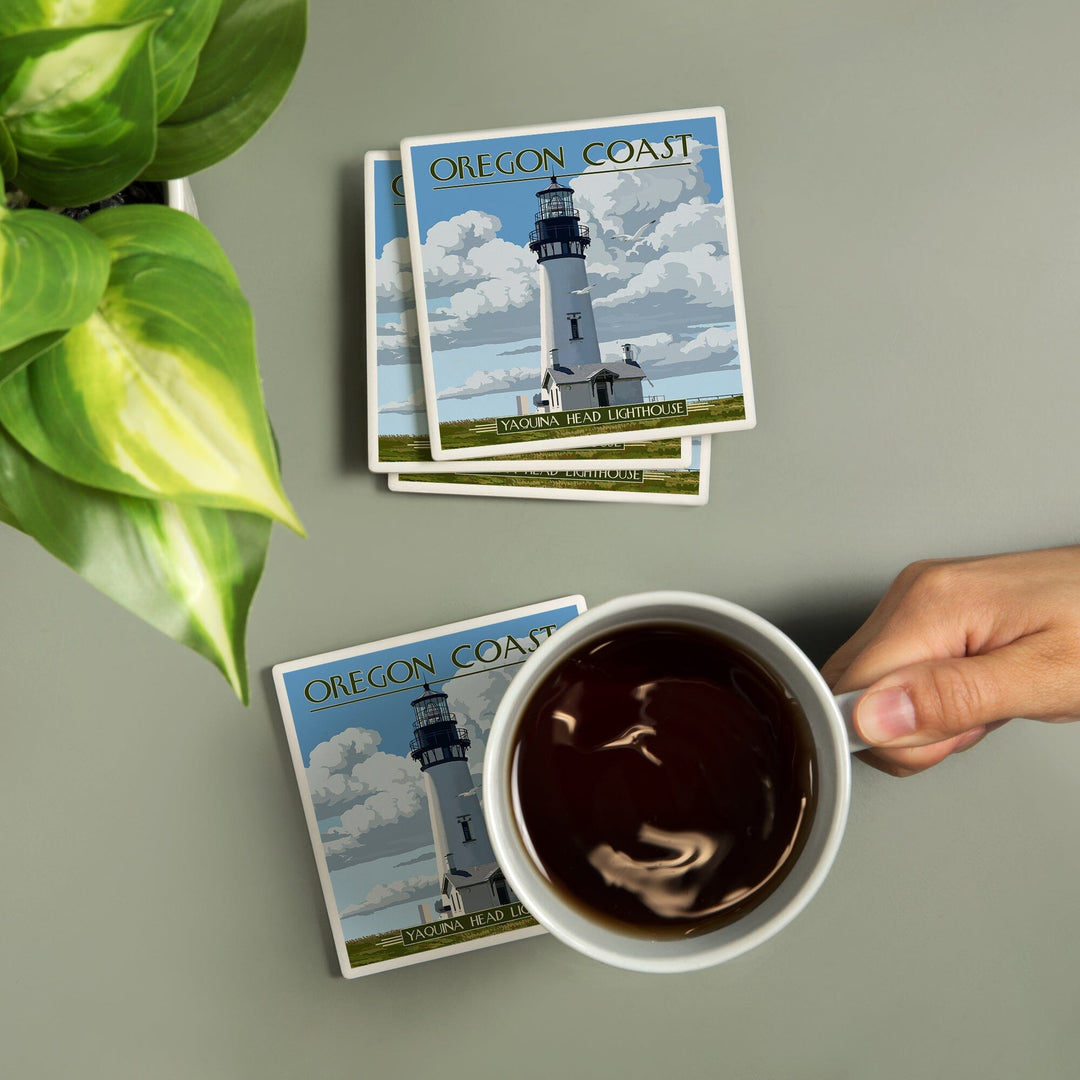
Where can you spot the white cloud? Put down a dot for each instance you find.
(473, 700)
(423, 857)
(687, 226)
(489, 284)
(414, 403)
(399, 342)
(492, 382)
(396, 892)
(371, 792)
(678, 272)
(393, 274)
(621, 202)
(714, 339)
(345, 748)
(400, 333)
(400, 798)
(463, 250)
(493, 311)
(695, 277)
(714, 349)
(648, 348)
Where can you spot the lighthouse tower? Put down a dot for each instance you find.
(470, 878)
(567, 330)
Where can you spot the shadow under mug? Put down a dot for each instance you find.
(834, 741)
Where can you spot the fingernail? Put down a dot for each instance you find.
(975, 735)
(886, 715)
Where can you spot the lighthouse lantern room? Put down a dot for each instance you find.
(558, 231)
(436, 735)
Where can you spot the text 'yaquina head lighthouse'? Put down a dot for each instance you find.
(469, 877)
(572, 374)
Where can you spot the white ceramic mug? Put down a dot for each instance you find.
(834, 741)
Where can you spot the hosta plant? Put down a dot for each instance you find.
(134, 442)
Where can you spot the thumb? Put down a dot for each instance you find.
(938, 699)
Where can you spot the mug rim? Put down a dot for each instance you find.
(571, 925)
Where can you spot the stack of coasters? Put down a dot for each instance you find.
(576, 329)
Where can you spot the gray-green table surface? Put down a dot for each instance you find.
(907, 177)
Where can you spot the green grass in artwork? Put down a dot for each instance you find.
(458, 434)
(389, 946)
(675, 482)
(409, 448)
(403, 448)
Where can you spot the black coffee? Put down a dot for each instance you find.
(664, 779)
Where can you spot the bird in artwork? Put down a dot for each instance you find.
(638, 235)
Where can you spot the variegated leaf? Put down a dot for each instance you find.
(155, 230)
(53, 272)
(245, 68)
(176, 44)
(9, 157)
(188, 570)
(16, 358)
(79, 107)
(157, 394)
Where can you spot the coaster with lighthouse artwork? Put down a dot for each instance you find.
(387, 741)
(596, 483)
(397, 420)
(577, 283)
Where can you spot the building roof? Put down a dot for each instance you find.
(472, 875)
(554, 186)
(587, 372)
(428, 695)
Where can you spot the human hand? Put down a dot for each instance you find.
(957, 647)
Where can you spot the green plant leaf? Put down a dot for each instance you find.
(7, 515)
(176, 44)
(9, 157)
(187, 570)
(79, 107)
(244, 70)
(146, 229)
(157, 394)
(53, 272)
(16, 358)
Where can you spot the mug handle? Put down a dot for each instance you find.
(846, 704)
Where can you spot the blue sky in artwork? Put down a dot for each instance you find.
(513, 199)
(386, 709)
(396, 380)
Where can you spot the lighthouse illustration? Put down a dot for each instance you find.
(469, 877)
(572, 374)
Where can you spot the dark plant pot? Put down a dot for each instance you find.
(176, 193)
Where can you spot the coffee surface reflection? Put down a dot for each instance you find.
(663, 779)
